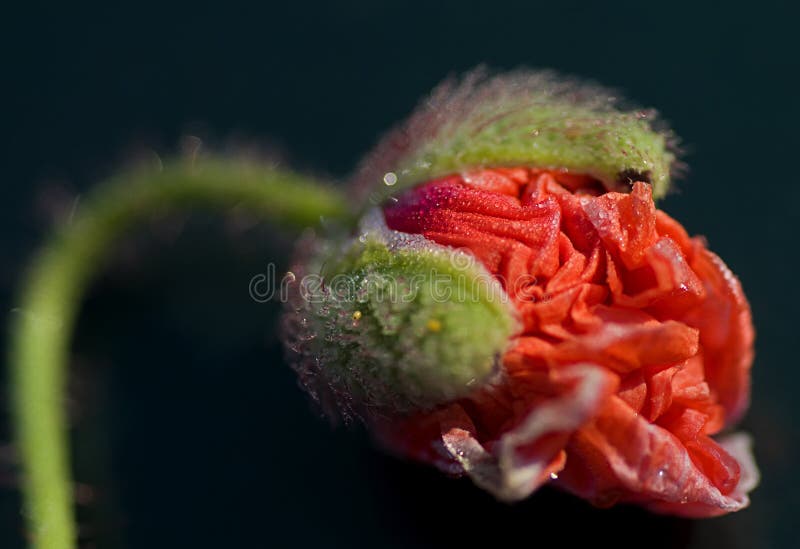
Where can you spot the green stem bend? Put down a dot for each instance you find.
(51, 294)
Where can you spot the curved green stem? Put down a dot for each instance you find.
(50, 298)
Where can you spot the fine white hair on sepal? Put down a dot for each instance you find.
(521, 118)
(385, 322)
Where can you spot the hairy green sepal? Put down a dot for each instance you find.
(529, 119)
(398, 323)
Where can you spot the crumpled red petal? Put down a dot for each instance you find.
(635, 347)
(528, 453)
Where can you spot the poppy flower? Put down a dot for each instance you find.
(510, 304)
(604, 350)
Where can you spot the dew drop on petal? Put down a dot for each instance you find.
(390, 178)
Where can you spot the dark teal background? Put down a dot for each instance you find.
(188, 423)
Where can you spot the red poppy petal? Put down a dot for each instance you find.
(608, 280)
(726, 333)
(527, 455)
(620, 456)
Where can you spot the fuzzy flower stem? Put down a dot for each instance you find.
(50, 298)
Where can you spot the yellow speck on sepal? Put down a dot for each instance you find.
(434, 325)
(356, 315)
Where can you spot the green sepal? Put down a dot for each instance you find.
(396, 322)
(529, 119)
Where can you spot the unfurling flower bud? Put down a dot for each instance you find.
(603, 349)
(388, 321)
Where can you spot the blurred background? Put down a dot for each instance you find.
(190, 430)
